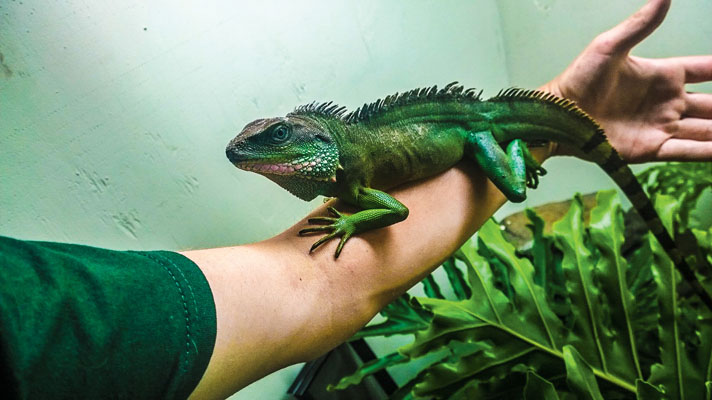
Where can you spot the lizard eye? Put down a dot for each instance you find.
(280, 134)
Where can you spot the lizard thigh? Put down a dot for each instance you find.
(507, 170)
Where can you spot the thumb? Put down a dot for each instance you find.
(624, 36)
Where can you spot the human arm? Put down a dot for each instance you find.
(277, 305)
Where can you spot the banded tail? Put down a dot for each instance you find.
(588, 137)
(603, 154)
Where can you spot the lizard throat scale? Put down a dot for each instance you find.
(321, 149)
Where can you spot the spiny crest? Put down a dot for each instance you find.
(544, 97)
(326, 109)
(452, 91)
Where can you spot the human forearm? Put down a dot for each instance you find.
(277, 304)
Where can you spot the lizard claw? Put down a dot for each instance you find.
(321, 220)
(344, 237)
(322, 241)
(335, 212)
(339, 225)
(533, 172)
(314, 229)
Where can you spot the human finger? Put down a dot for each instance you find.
(693, 129)
(697, 68)
(624, 36)
(698, 105)
(684, 150)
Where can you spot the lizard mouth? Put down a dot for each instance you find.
(302, 170)
(275, 169)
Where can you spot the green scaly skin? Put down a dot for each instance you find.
(319, 149)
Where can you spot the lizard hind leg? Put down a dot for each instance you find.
(508, 171)
(517, 149)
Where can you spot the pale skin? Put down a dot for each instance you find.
(278, 305)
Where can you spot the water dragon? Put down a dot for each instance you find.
(321, 149)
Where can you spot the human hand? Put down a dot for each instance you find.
(640, 102)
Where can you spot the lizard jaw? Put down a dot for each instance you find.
(275, 169)
(284, 169)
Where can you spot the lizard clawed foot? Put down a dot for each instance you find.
(338, 225)
(534, 170)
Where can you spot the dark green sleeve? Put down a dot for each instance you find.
(84, 322)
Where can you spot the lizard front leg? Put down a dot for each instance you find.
(379, 209)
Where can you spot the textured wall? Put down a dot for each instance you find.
(114, 115)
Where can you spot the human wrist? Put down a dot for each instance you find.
(554, 88)
(543, 153)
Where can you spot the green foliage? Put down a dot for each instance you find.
(574, 318)
(684, 181)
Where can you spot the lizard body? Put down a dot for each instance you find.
(320, 149)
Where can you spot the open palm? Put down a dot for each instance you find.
(642, 103)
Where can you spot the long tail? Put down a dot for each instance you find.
(602, 153)
(563, 121)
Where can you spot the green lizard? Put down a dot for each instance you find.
(320, 149)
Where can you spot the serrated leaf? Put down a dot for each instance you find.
(404, 315)
(541, 255)
(456, 279)
(618, 334)
(524, 328)
(685, 365)
(582, 288)
(646, 391)
(683, 181)
(431, 288)
(547, 266)
(520, 314)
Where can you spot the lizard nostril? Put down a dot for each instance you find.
(232, 154)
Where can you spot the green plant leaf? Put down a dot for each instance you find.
(580, 315)
(538, 388)
(546, 259)
(685, 362)
(404, 315)
(524, 327)
(456, 279)
(683, 181)
(431, 288)
(367, 369)
(646, 391)
(579, 375)
(618, 333)
(542, 258)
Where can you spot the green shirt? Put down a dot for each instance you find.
(85, 322)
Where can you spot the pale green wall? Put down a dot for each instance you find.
(114, 116)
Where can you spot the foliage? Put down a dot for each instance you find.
(684, 181)
(574, 318)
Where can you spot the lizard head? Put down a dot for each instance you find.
(289, 150)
